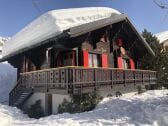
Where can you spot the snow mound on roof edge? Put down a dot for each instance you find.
(53, 23)
(148, 109)
(2, 41)
(162, 36)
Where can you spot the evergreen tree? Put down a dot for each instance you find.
(35, 110)
(158, 63)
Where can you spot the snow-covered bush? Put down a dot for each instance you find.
(80, 103)
(35, 110)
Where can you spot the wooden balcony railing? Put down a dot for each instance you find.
(69, 79)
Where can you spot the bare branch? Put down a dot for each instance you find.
(35, 4)
(161, 5)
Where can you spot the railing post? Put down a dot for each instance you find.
(124, 79)
(70, 80)
(46, 79)
(111, 71)
(67, 77)
(149, 74)
(94, 79)
(134, 77)
(142, 77)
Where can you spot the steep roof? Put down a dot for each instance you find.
(54, 23)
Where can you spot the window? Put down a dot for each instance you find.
(94, 60)
(125, 64)
(69, 58)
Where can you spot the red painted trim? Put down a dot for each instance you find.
(104, 60)
(132, 64)
(85, 58)
(120, 62)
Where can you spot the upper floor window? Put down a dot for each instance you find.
(94, 60)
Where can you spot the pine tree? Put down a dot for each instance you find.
(158, 63)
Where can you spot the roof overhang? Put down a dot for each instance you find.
(85, 28)
(51, 40)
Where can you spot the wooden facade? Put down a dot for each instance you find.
(99, 59)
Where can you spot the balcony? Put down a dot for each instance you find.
(77, 80)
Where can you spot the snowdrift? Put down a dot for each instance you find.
(7, 81)
(147, 109)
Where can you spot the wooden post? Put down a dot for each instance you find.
(48, 104)
(47, 57)
(111, 78)
(24, 64)
(77, 53)
(95, 84)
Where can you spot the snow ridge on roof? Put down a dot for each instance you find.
(162, 36)
(2, 41)
(54, 23)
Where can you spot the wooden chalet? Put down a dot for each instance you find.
(100, 55)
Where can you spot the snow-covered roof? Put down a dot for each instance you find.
(54, 23)
(162, 36)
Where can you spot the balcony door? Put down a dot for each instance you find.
(94, 60)
(65, 58)
(27, 65)
(69, 58)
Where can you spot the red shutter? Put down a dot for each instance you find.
(132, 64)
(85, 58)
(120, 62)
(104, 60)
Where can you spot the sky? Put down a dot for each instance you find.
(16, 14)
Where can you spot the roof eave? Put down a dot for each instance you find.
(141, 37)
(82, 29)
(62, 35)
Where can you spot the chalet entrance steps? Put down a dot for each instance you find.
(21, 98)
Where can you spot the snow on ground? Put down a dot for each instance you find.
(7, 81)
(150, 108)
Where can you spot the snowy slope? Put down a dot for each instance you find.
(53, 23)
(148, 109)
